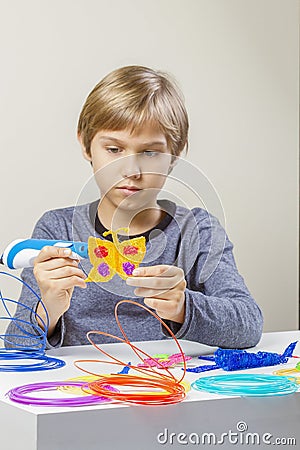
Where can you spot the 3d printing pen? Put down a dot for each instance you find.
(22, 252)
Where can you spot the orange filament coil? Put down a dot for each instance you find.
(91, 389)
(166, 388)
(171, 392)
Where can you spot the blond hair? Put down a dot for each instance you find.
(130, 96)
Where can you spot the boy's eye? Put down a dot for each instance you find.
(150, 153)
(113, 149)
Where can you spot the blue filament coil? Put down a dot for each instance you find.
(16, 358)
(247, 385)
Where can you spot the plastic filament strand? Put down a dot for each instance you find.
(246, 385)
(19, 395)
(168, 388)
(29, 331)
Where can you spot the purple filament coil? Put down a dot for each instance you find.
(19, 394)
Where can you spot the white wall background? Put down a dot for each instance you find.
(237, 62)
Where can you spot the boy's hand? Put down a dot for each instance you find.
(163, 289)
(57, 275)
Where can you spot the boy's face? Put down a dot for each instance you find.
(130, 168)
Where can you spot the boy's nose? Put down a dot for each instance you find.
(131, 167)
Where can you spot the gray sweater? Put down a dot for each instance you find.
(219, 308)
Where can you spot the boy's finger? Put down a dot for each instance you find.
(161, 305)
(49, 252)
(65, 272)
(157, 283)
(154, 271)
(155, 293)
(70, 282)
(55, 263)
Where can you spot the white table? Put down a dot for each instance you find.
(118, 426)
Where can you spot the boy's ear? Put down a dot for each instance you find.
(86, 155)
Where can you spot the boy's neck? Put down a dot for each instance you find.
(138, 222)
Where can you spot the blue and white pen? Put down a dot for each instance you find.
(22, 252)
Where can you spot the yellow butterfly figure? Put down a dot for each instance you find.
(109, 258)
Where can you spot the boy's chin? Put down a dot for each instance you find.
(131, 204)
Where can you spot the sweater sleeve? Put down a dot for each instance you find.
(20, 334)
(219, 310)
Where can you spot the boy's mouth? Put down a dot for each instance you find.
(129, 190)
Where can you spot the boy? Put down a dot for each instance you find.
(132, 129)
